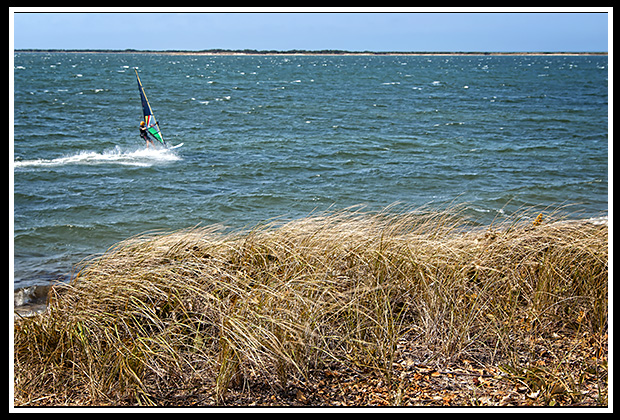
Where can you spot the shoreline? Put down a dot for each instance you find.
(32, 299)
(218, 52)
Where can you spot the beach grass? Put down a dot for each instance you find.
(211, 317)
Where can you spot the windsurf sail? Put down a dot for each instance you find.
(149, 117)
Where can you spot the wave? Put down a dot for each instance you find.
(142, 157)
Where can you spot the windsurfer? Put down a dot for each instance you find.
(144, 134)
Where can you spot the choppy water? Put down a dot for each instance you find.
(269, 136)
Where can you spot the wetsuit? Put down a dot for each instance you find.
(144, 134)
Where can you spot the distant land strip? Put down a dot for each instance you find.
(293, 52)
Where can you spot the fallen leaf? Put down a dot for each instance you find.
(506, 400)
(300, 396)
(534, 394)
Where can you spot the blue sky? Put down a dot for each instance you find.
(386, 30)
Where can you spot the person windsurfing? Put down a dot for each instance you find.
(144, 134)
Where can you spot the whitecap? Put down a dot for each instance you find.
(603, 220)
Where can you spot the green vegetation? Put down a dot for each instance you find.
(202, 316)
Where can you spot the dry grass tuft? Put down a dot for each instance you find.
(162, 319)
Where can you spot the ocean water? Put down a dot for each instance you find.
(283, 136)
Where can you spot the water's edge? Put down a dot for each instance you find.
(32, 300)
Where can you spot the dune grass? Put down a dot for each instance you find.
(163, 318)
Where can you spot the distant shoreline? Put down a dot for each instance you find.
(219, 52)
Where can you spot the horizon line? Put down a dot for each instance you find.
(247, 51)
